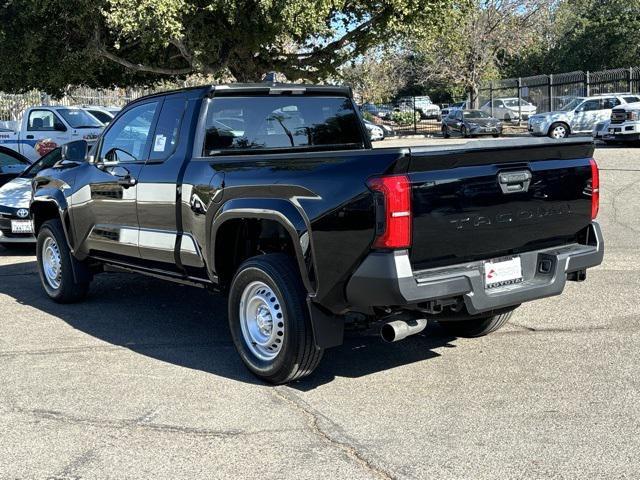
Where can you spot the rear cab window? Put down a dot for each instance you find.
(248, 124)
(165, 137)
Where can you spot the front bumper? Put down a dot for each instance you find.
(624, 132)
(386, 279)
(6, 235)
(482, 130)
(538, 128)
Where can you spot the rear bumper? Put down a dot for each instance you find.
(386, 279)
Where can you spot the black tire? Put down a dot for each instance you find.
(477, 326)
(70, 288)
(445, 132)
(298, 355)
(496, 135)
(464, 132)
(557, 127)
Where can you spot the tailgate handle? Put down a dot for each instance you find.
(514, 182)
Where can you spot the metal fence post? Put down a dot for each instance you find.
(587, 85)
(415, 125)
(519, 101)
(491, 97)
(550, 80)
(630, 76)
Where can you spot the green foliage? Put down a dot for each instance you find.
(368, 116)
(405, 117)
(584, 35)
(50, 44)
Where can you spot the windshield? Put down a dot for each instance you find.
(475, 114)
(572, 104)
(261, 122)
(48, 161)
(513, 102)
(78, 118)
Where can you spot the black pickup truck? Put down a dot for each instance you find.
(272, 194)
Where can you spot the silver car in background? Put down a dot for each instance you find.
(578, 116)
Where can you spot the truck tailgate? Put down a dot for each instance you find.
(487, 200)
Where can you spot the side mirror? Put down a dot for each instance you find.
(74, 151)
(59, 127)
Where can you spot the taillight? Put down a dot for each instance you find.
(393, 211)
(595, 189)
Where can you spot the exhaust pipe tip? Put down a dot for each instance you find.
(401, 329)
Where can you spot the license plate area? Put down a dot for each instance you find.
(502, 271)
(21, 226)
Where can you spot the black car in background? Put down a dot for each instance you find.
(12, 164)
(469, 123)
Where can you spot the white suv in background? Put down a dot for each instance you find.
(578, 116)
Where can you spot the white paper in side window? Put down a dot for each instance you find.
(158, 145)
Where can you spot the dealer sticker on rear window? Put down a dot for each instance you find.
(502, 271)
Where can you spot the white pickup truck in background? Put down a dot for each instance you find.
(624, 125)
(44, 128)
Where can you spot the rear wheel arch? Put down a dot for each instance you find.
(239, 234)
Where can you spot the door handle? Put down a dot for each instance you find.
(127, 181)
(29, 137)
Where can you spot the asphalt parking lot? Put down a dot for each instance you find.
(142, 381)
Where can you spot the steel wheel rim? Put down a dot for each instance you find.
(261, 321)
(51, 262)
(559, 132)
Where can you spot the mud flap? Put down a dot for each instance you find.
(328, 329)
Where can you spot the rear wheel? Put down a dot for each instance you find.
(476, 325)
(56, 266)
(269, 320)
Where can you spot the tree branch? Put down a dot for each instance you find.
(139, 67)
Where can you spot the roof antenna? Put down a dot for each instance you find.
(270, 77)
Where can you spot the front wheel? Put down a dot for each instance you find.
(56, 266)
(269, 320)
(476, 325)
(558, 131)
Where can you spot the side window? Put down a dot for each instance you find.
(609, 103)
(44, 121)
(128, 137)
(589, 106)
(459, 115)
(631, 99)
(165, 137)
(7, 160)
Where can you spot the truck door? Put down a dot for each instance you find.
(158, 185)
(44, 132)
(105, 210)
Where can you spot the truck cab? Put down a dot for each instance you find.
(42, 129)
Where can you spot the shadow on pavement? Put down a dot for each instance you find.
(187, 326)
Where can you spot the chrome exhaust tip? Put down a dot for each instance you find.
(401, 329)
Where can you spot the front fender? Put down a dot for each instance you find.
(47, 202)
(282, 211)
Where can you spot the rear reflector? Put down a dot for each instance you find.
(595, 189)
(393, 215)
